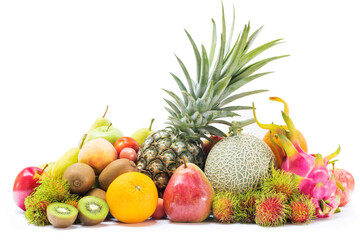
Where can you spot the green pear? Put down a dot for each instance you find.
(141, 134)
(65, 161)
(109, 133)
(100, 121)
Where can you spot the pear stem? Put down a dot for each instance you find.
(107, 107)
(151, 123)
(81, 143)
(185, 164)
(109, 127)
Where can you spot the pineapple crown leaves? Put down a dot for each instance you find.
(219, 74)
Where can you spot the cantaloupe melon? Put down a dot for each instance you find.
(239, 163)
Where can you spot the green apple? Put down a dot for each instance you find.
(141, 134)
(109, 133)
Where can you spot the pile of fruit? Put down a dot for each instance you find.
(191, 170)
(83, 184)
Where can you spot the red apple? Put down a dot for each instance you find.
(159, 212)
(24, 184)
(348, 183)
(188, 195)
(209, 145)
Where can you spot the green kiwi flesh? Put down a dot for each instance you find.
(92, 210)
(61, 215)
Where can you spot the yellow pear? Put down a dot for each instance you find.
(65, 161)
(100, 121)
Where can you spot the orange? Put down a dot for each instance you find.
(132, 197)
(280, 154)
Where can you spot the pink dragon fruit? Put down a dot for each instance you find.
(309, 170)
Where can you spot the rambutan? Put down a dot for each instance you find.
(53, 189)
(302, 209)
(245, 210)
(280, 182)
(43, 205)
(36, 210)
(72, 200)
(271, 210)
(50, 190)
(223, 207)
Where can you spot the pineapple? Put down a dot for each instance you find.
(203, 102)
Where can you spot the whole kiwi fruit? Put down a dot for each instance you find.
(80, 176)
(92, 210)
(115, 169)
(97, 192)
(61, 215)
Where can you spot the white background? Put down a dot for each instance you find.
(62, 62)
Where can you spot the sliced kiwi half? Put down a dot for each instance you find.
(92, 210)
(61, 215)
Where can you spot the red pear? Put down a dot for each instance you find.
(188, 195)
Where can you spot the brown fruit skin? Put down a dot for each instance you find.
(80, 176)
(97, 192)
(115, 169)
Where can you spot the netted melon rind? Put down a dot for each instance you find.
(239, 163)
